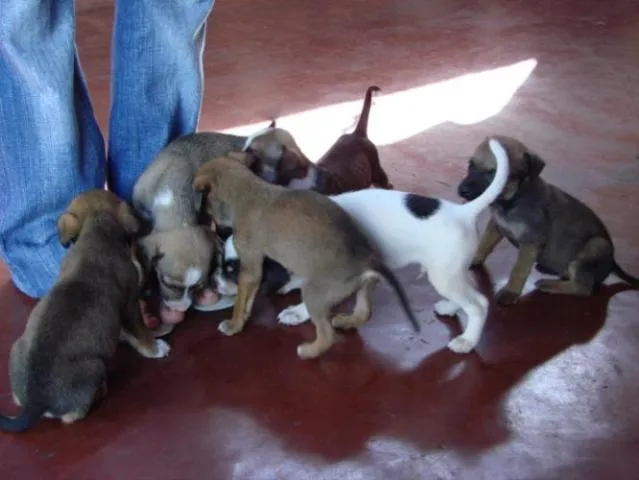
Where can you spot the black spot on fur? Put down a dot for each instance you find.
(274, 277)
(421, 207)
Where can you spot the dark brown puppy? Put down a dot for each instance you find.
(57, 367)
(352, 163)
(307, 233)
(550, 228)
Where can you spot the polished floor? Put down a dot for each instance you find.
(552, 391)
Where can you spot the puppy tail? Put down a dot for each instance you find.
(386, 273)
(30, 415)
(362, 124)
(625, 276)
(495, 188)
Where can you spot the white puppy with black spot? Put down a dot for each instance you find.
(439, 235)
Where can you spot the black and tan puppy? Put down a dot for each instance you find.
(550, 228)
(57, 367)
(305, 232)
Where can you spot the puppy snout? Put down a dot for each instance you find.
(181, 305)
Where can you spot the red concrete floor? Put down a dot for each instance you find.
(551, 392)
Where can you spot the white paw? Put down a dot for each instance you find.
(162, 349)
(446, 308)
(294, 315)
(226, 327)
(461, 344)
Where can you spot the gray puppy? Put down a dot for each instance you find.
(180, 248)
(57, 367)
(550, 228)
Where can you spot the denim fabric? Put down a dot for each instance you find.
(51, 148)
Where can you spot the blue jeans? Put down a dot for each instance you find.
(51, 147)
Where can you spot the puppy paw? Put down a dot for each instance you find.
(227, 328)
(162, 349)
(307, 351)
(445, 308)
(292, 315)
(506, 297)
(461, 344)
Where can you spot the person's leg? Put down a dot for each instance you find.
(157, 82)
(50, 144)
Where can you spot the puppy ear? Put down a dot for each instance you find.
(128, 220)
(68, 228)
(203, 182)
(291, 165)
(150, 252)
(534, 163)
(246, 158)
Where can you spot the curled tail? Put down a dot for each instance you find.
(362, 123)
(625, 276)
(475, 207)
(390, 277)
(29, 416)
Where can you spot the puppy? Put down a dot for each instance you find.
(439, 236)
(303, 231)
(57, 367)
(352, 163)
(550, 228)
(179, 250)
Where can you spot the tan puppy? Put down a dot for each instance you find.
(352, 163)
(307, 233)
(551, 229)
(57, 367)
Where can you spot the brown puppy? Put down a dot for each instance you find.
(352, 163)
(57, 367)
(307, 233)
(550, 228)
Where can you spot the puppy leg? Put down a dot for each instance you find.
(380, 179)
(363, 308)
(489, 240)
(446, 308)
(248, 285)
(458, 290)
(527, 255)
(319, 305)
(294, 315)
(587, 270)
(135, 332)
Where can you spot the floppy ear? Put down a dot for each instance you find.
(68, 228)
(203, 182)
(149, 249)
(246, 158)
(534, 163)
(128, 220)
(291, 165)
